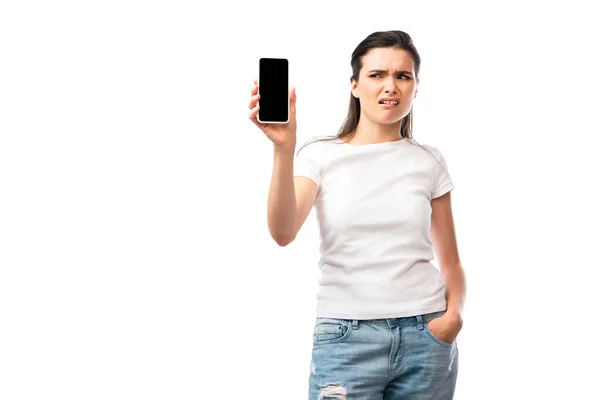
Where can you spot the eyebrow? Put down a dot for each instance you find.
(382, 71)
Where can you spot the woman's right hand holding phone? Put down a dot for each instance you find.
(283, 136)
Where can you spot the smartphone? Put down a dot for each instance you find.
(273, 81)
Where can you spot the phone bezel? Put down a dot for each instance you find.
(288, 89)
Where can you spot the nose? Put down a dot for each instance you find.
(389, 86)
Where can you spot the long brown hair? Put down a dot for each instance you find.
(384, 39)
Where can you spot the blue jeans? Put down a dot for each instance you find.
(381, 359)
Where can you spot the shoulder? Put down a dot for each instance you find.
(315, 145)
(433, 151)
(430, 148)
(435, 157)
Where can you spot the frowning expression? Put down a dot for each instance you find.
(386, 84)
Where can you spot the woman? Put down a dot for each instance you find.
(387, 319)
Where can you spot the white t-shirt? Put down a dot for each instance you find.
(374, 213)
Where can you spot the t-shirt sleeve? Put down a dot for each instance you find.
(306, 162)
(442, 182)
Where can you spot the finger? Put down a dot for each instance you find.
(253, 101)
(253, 113)
(254, 89)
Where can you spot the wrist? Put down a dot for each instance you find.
(284, 148)
(454, 315)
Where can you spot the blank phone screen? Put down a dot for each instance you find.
(273, 89)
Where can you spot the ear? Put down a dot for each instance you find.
(353, 87)
(416, 90)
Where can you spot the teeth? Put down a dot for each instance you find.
(389, 102)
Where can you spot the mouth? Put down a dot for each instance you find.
(388, 103)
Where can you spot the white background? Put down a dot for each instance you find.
(135, 259)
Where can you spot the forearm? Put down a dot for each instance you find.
(456, 289)
(281, 208)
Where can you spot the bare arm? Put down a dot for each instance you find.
(290, 198)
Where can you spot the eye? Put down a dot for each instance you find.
(399, 76)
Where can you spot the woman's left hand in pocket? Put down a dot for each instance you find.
(446, 327)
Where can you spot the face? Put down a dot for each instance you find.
(382, 76)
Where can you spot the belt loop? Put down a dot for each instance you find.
(420, 322)
(354, 324)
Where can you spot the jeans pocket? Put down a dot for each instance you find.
(331, 330)
(431, 317)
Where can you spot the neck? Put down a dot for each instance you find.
(368, 132)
